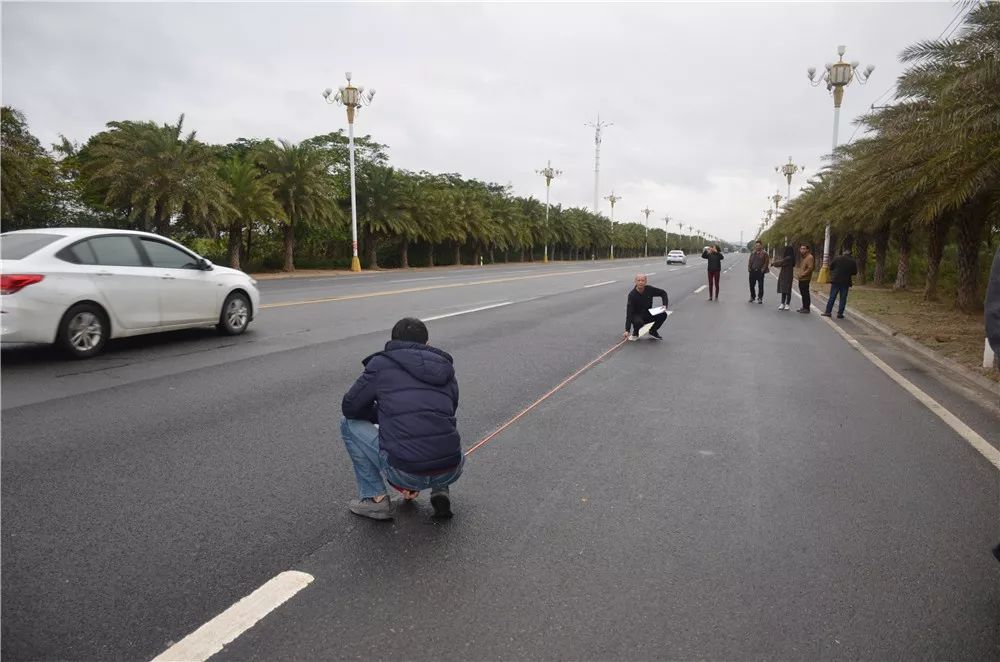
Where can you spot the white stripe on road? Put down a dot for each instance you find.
(211, 637)
(700, 289)
(607, 282)
(465, 312)
(974, 439)
(413, 280)
(651, 273)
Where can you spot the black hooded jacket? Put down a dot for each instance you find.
(409, 389)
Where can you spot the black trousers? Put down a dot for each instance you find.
(646, 318)
(757, 278)
(804, 291)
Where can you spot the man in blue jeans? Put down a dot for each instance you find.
(841, 269)
(399, 424)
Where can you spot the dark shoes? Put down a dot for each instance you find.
(803, 310)
(840, 317)
(441, 503)
(824, 314)
(656, 335)
(761, 300)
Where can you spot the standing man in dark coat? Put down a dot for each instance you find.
(715, 258)
(787, 264)
(843, 267)
(757, 265)
(399, 424)
(640, 300)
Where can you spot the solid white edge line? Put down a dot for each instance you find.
(413, 280)
(985, 448)
(607, 282)
(465, 312)
(211, 637)
(700, 289)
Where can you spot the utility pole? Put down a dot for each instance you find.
(645, 249)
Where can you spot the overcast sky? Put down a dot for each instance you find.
(705, 98)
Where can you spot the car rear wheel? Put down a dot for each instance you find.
(83, 331)
(235, 315)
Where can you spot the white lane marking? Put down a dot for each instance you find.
(607, 282)
(651, 273)
(211, 637)
(674, 269)
(413, 280)
(984, 447)
(465, 312)
(700, 289)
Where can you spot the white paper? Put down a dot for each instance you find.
(657, 310)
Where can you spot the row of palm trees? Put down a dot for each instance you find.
(254, 193)
(927, 174)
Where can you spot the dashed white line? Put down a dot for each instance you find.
(700, 289)
(413, 280)
(465, 312)
(211, 637)
(607, 282)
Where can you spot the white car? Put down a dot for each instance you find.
(79, 287)
(676, 257)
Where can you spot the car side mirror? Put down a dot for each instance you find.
(205, 264)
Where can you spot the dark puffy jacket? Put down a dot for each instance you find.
(410, 390)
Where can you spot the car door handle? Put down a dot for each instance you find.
(104, 273)
(167, 277)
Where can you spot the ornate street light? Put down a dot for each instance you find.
(666, 228)
(837, 77)
(598, 127)
(788, 170)
(549, 173)
(645, 249)
(776, 200)
(351, 98)
(612, 199)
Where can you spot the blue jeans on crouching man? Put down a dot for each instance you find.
(835, 289)
(372, 468)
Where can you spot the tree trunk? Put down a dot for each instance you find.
(861, 251)
(881, 248)
(235, 244)
(903, 268)
(492, 258)
(404, 254)
(935, 250)
(478, 255)
(522, 255)
(971, 221)
(371, 247)
(458, 253)
(289, 248)
(246, 255)
(430, 255)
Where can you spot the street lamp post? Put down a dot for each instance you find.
(612, 199)
(788, 170)
(645, 249)
(598, 126)
(837, 77)
(549, 173)
(351, 98)
(666, 229)
(776, 199)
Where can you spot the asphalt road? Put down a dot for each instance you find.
(751, 488)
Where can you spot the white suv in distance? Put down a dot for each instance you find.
(676, 257)
(79, 287)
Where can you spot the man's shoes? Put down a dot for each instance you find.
(633, 338)
(761, 300)
(824, 314)
(381, 510)
(840, 317)
(752, 299)
(781, 306)
(656, 335)
(709, 298)
(803, 310)
(441, 503)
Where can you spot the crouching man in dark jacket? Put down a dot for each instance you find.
(399, 424)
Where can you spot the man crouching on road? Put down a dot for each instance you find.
(409, 391)
(640, 300)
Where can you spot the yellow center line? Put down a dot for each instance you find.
(425, 288)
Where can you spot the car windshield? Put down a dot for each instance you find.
(21, 245)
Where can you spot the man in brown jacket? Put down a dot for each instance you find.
(803, 273)
(757, 266)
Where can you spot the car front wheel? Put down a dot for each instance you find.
(83, 331)
(235, 315)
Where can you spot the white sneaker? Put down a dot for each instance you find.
(633, 338)
(781, 306)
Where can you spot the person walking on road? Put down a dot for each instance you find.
(637, 314)
(843, 267)
(758, 265)
(787, 264)
(715, 258)
(399, 424)
(803, 273)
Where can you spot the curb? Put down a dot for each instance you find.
(924, 351)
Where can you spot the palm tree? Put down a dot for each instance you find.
(302, 188)
(251, 198)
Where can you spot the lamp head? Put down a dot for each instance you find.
(811, 71)
(841, 50)
(327, 92)
(348, 74)
(869, 69)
